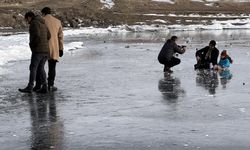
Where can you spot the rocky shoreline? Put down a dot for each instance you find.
(78, 13)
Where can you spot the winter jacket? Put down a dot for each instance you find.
(230, 59)
(224, 63)
(39, 36)
(214, 55)
(56, 42)
(168, 51)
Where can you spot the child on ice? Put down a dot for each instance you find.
(225, 61)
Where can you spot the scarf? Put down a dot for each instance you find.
(209, 54)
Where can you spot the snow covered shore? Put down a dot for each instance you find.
(14, 47)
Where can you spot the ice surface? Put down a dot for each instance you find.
(113, 97)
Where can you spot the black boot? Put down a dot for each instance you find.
(52, 88)
(37, 88)
(44, 89)
(167, 70)
(28, 89)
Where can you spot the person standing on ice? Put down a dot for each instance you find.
(39, 45)
(207, 57)
(166, 55)
(55, 45)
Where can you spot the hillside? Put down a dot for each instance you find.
(103, 13)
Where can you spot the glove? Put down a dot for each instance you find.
(60, 53)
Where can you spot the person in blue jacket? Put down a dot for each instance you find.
(225, 61)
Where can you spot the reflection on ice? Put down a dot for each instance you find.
(170, 87)
(207, 79)
(47, 129)
(225, 77)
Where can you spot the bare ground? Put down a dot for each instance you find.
(90, 12)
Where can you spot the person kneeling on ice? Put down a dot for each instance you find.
(207, 56)
(166, 55)
(224, 62)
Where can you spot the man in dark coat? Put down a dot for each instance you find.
(206, 56)
(39, 38)
(166, 55)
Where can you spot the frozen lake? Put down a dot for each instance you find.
(113, 95)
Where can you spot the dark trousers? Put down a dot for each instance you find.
(202, 64)
(37, 63)
(52, 72)
(170, 63)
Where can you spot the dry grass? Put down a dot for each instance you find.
(124, 11)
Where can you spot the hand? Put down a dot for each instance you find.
(198, 58)
(60, 53)
(184, 49)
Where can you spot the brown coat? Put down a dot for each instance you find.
(56, 41)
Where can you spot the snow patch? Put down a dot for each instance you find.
(19, 48)
(73, 46)
(117, 29)
(165, 1)
(214, 3)
(158, 15)
(210, 16)
(201, 1)
(145, 28)
(108, 3)
(160, 21)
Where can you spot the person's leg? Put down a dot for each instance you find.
(35, 59)
(205, 65)
(42, 70)
(52, 72)
(38, 81)
(33, 71)
(169, 64)
(202, 64)
(165, 63)
(166, 68)
(52, 75)
(42, 74)
(173, 62)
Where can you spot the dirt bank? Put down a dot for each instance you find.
(77, 13)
